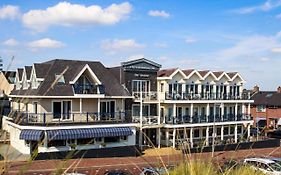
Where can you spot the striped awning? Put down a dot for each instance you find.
(83, 133)
(32, 135)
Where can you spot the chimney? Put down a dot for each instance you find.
(279, 89)
(257, 88)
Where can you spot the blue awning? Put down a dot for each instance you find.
(30, 134)
(67, 134)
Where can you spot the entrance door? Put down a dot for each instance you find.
(150, 137)
(66, 108)
(107, 109)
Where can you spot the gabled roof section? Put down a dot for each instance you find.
(203, 72)
(178, 71)
(231, 74)
(267, 98)
(20, 73)
(86, 67)
(218, 74)
(208, 74)
(166, 72)
(187, 72)
(237, 75)
(27, 70)
(194, 72)
(10, 76)
(141, 64)
(41, 70)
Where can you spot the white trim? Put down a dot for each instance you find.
(194, 72)
(178, 71)
(238, 75)
(224, 74)
(61, 101)
(210, 73)
(82, 71)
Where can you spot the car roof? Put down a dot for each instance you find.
(262, 160)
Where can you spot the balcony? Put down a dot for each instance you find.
(146, 120)
(88, 89)
(45, 119)
(186, 119)
(204, 96)
(146, 96)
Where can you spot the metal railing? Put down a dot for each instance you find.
(146, 120)
(146, 95)
(88, 89)
(206, 119)
(204, 96)
(68, 118)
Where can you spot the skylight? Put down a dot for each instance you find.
(60, 79)
(268, 95)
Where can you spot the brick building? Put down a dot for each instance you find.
(266, 109)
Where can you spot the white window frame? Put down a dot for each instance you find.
(61, 118)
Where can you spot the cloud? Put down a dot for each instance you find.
(9, 12)
(276, 50)
(157, 13)
(161, 45)
(45, 43)
(67, 14)
(266, 6)
(116, 45)
(190, 40)
(10, 42)
(249, 46)
(264, 59)
(134, 57)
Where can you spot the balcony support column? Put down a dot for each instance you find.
(158, 136)
(248, 131)
(236, 111)
(167, 137)
(243, 108)
(191, 137)
(222, 130)
(208, 112)
(98, 109)
(174, 138)
(222, 111)
(235, 134)
(191, 112)
(249, 108)
(80, 106)
(159, 113)
(174, 112)
(207, 136)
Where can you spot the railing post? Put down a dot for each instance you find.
(87, 117)
(44, 118)
(73, 117)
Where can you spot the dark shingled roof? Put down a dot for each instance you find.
(218, 74)
(166, 72)
(10, 76)
(203, 72)
(28, 71)
(20, 72)
(231, 74)
(41, 70)
(268, 98)
(187, 72)
(71, 69)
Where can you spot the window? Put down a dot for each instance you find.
(146, 110)
(261, 108)
(123, 138)
(162, 87)
(111, 139)
(107, 109)
(62, 110)
(56, 143)
(141, 86)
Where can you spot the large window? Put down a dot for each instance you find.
(141, 86)
(62, 109)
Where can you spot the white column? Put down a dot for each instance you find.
(167, 137)
(222, 111)
(98, 109)
(174, 112)
(243, 108)
(159, 113)
(174, 138)
(235, 111)
(159, 137)
(191, 112)
(191, 137)
(235, 134)
(207, 136)
(80, 106)
(208, 111)
(248, 131)
(222, 134)
(249, 109)
(200, 132)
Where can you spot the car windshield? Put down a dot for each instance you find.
(275, 166)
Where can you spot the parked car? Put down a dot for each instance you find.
(264, 165)
(149, 171)
(117, 172)
(274, 134)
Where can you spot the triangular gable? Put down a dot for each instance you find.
(238, 75)
(210, 73)
(194, 72)
(222, 75)
(86, 67)
(141, 64)
(177, 71)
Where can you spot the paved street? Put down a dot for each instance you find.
(132, 164)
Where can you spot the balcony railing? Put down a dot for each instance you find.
(146, 120)
(88, 89)
(204, 96)
(146, 95)
(206, 119)
(68, 118)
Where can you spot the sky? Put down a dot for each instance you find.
(228, 35)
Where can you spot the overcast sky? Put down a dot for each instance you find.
(229, 35)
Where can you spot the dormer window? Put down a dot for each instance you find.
(60, 79)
